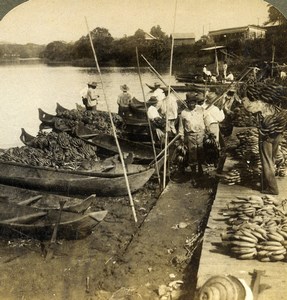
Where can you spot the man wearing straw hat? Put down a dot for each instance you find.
(169, 108)
(89, 96)
(212, 116)
(192, 130)
(158, 93)
(124, 99)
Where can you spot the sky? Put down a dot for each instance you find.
(44, 21)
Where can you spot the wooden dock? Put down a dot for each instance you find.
(214, 261)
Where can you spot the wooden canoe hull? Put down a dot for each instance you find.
(15, 221)
(57, 181)
(107, 141)
(177, 88)
(46, 201)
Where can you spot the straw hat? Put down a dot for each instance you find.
(211, 96)
(92, 84)
(152, 101)
(195, 97)
(124, 88)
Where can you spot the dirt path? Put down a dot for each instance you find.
(120, 259)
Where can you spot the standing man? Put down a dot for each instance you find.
(192, 130)
(271, 126)
(89, 96)
(206, 73)
(124, 99)
(158, 93)
(169, 108)
(212, 116)
(225, 66)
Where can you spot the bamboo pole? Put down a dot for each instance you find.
(168, 96)
(113, 126)
(228, 88)
(162, 151)
(162, 80)
(149, 123)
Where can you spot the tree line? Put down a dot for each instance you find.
(122, 52)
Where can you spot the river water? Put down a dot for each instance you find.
(25, 87)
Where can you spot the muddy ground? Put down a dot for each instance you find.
(121, 259)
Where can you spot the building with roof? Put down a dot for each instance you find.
(181, 39)
(249, 32)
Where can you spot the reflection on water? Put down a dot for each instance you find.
(26, 87)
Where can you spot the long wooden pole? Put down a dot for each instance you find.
(149, 123)
(113, 126)
(162, 151)
(228, 88)
(162, 80)
(168, 102)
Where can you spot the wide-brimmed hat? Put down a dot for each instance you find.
(156, 84)
(124, 87)
(211, 96)
(152, 101)
(194, 97)
(92, 84)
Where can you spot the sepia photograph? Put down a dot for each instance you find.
(143, 149)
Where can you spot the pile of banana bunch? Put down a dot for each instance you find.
(58, 150)
(232, 177)
(96, 120)
(179, 156)
(247, 153)
(271, 93)
(274, 124)
(258, 229)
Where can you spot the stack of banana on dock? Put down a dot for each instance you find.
(271, 93)
(257, 228)
(230, 178)
(247, 153)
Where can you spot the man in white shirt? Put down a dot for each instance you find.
(89, 95)
(191, 130)
(156, 120)
(169, 108)
(158, 93)
(212, 115)
(229, 77)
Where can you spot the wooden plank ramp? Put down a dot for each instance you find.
(214, 261)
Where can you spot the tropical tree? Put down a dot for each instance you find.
(57, 51)
(275, 16)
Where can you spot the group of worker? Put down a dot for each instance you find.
(226, 76)
(199, 117)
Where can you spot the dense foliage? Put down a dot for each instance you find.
(122, 52)
(22, 51)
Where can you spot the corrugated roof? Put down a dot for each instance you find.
(190, 35)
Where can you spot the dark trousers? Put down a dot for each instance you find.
(268, 149)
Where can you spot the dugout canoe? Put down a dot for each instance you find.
(17, 220)
(139, 151)
(70, 182)
(42, 200)
(45, 118)
(110, 165)
(177, 88)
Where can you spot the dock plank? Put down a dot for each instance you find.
(214, 261)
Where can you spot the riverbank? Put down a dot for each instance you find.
(120, 256)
